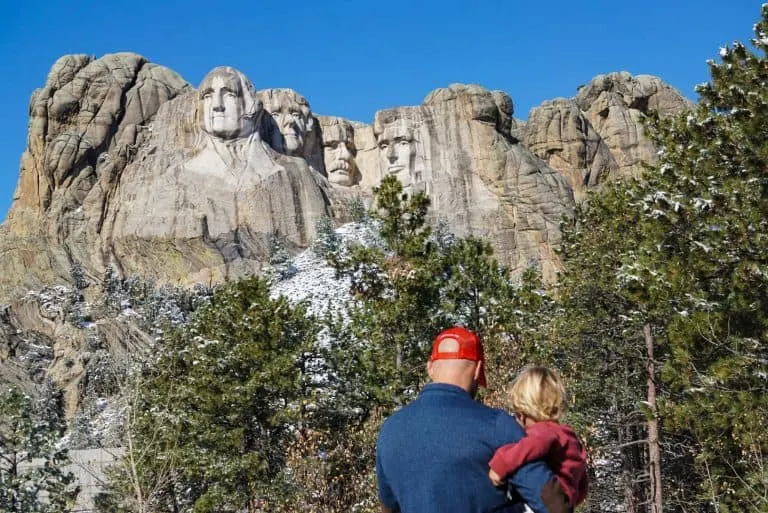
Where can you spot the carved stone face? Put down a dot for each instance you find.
(339, 153)
(398, 152)
(293, 117)
(227, 109)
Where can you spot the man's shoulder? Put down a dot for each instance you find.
(398, 417)
(494, 422)
(496, 415)
(507, 428)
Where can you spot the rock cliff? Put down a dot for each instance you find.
(86, 124)
(130, 166)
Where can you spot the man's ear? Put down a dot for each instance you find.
(478, 370)
(429, 369)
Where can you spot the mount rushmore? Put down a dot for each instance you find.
(128, 165)
(131, 170)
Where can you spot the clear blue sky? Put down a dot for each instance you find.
(353, 57)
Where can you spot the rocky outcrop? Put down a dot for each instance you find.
(485, 183)
(85, 126)
(639, 92)
(87, 108)
(204, 208)
(616, 105)
(122, 169)
(459, 148)
(561, 135)
(599, 134)
(48, 336)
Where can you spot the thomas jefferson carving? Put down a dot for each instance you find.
(299, 128)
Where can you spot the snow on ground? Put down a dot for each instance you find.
(315, 281)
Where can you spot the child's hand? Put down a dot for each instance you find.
(495, 479)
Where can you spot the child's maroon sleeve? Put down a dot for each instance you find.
(534, 446)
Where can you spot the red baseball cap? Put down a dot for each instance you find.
(459, 343)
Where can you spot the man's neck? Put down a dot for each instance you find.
(454, 385)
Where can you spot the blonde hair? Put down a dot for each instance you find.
(538, 393)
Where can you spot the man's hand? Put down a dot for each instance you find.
(495, 478)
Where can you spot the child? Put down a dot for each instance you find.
(538, 399)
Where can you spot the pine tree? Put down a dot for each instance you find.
(418, 284)
(221, 402)
(357, 210)
(328, 241)
(599, 329)
(111, 281)
(713, 224)
(31, 475)
(665, 284)
(112, 290)
(78, 313)
(280, 263)
(388, 330)
(49, 406)
(77, 273)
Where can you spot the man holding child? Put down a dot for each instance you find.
(433, 455)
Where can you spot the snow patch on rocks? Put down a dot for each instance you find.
(315, 280)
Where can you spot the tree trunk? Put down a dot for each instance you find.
(627, 470)
(654, 451)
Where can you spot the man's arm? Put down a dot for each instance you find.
(534, 446)
(387, 498)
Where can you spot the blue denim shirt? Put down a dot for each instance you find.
(433, 454)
